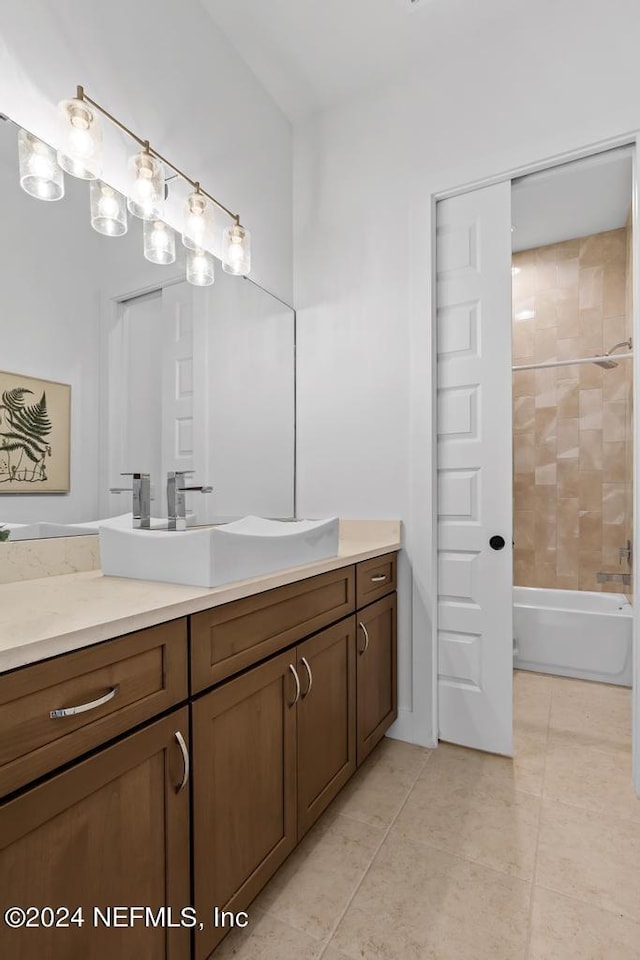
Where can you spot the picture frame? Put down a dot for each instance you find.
(35, 435)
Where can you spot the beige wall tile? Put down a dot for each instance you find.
(590, 375)
(591, 450)
(591, 409)
(591, 251)
(568, 518)
(545, 425)
(614, 420)
(524, 334)
(614, 461)
(613, 503)
(523, 414)
(523, 454)
(546, 309)
(590, 532)
(616, 384)
(545, 381)
(590, 490)
(546, 343)
(568, 478)
(568, 396)
(567, 562)
(524, 384)
(613, 300)
(524, 490)
(568, 439)
(568, 273)
(591, 283)
(523, 529)
(567, 306)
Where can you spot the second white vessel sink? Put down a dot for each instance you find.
(211, 556)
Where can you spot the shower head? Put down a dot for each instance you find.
(610, 364)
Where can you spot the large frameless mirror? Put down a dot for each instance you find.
(113, 363)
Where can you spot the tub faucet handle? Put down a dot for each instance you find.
(625, 553)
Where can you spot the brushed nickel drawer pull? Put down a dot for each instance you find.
(297, 680)
(379, 578)
(366, 637)
(83, 707)
(308, 669)
(185, 760)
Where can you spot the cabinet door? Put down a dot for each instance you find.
(326, 719)
(376, 673)
(110, 831)
(244, 754)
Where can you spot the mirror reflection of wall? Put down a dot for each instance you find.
(90, 311)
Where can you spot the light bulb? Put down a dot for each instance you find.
(108, 209)
(159, 242)
(200, 268)
(146, 191)
(80, 152)
(236, 250)
(40, 175)
(197, 233)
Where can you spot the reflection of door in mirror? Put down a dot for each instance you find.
(156, 414)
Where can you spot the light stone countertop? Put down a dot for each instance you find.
(53, 615)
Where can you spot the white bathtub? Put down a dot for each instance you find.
(573, 633)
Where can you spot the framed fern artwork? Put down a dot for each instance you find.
(35, 421)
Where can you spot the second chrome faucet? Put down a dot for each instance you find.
(176, 490)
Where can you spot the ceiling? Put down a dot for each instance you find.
(312, 55)
(573, 200)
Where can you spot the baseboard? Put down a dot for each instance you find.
(404, 729)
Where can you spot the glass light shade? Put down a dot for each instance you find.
(40, 175)
(236, 250)
(108, 209)
(80, 151)
(159, 242)
(146, 191)
(197, 233)
(200, 270)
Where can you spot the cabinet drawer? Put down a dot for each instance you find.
(229, 638)
(118, 684)
(375, 578)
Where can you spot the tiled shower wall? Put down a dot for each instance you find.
(572, 425)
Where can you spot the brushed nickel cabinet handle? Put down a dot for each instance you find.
(366, 637)
(83, 707)
(379, 578)
(297, 680)
(185, 760)
(308, 669)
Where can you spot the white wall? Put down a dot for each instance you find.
(168, 72)
(539, 80)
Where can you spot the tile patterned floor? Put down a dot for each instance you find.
(451, 854)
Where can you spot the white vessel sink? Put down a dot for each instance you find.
(211, 556)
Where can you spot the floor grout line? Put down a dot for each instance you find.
(373, 859)
(535, 856)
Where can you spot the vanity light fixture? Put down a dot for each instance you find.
(200, 268)
(40, 174)
(197, 233)
(80, 152)
(159, 242)
(108, 209)
(236, 250)
(146, 188)
(81, 155)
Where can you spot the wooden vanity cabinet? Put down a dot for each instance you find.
(271, 749)
(112, 830)
(244, 802)
(326, 666)
(376, 673)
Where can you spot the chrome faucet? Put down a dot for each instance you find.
(175, 498)
(141, 500)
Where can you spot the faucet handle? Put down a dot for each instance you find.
(136, 473)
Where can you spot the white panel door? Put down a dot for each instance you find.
(475, 581)
(183, 361)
